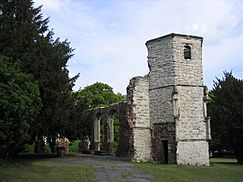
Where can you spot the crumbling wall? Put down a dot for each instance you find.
(139, 118)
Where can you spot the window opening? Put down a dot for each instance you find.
(187, 52)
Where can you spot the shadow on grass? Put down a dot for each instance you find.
(36, 156)
(228, 163)
(23, 160)
(225, 161)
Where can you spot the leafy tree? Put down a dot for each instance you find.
(99, 95)
(226, 111)
(20, 103)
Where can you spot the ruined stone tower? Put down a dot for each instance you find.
(174, 99)
(165, 114)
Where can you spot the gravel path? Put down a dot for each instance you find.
(109, 168)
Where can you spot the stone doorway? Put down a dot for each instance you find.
(165, 151)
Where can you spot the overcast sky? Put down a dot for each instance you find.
(109, 35)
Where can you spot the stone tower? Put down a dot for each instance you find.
(177, 100)
(165, 118)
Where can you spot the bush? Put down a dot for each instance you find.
(74, 146)
(28, 149)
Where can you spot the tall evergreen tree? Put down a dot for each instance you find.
(22, 26)
(20, 104)
(26, 39)
(226, 111)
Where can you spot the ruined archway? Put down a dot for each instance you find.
(115, 127)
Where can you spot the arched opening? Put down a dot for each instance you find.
(116, 131)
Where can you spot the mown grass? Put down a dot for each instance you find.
(221, 170)
(44, 171)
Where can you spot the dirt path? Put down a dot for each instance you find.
(108, 168)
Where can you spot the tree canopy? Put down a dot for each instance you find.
(99, 95)
(226, 111)
(26, 40)
(20, 104)
(88, 98)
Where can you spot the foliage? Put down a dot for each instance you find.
(20, 103)
(223, 170)
(44, 170)
(78, 125)
(99, 95)
(92, 96)
(25, 38)
(28, 149)
(226, 111)
(117, 132)
(74, 146)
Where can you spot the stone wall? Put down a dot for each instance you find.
(187, 71)
(161, 105)
(163, 143)
(160, 63)
(138, 109)
(193, 153)
(191, 123)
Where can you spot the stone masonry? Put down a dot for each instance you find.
(165, 116)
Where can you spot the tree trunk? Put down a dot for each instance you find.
(39, 145)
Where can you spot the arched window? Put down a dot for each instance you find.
(187, 52)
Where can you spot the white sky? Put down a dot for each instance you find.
(109, 35)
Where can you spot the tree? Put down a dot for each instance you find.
(22, 27)
(20, 103)
(99, 95)
(79, 125)
(226, 111)
(25, 38)
(55, 89)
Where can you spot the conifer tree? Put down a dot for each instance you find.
(26, 39)
(20, 104)
(226, 112)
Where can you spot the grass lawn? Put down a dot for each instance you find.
(221, 170)
(44, 171)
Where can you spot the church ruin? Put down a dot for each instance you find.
(164, 118)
